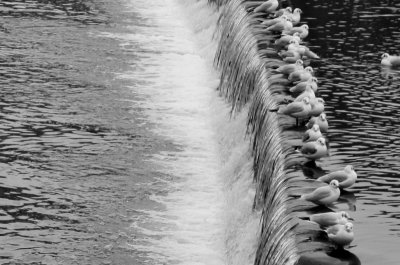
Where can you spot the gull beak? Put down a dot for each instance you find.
(350, 219)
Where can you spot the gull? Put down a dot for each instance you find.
(310, 54)
(301, 86)
(390, 60)
(289, 68)
(324, 195)
(270, 22)
(283, 11)
(298, 109)
(285, 39)
(330, 218)
(346, 177)
(283, 24)
(315, 150)
(295, 16)
(295, 46)
(291, 53)
(290, 58)
(317, 106)
(268, 6)
(341, 234)
(312, 134)
(301, 75)
(308, 92)
(321, 121)
(302, 30)
(303, 50)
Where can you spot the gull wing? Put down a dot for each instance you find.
(293, 107)
(333, 230)
(319, 194)
(338, 175)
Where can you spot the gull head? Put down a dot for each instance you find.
(334, 183)
(322, 142)
(309, 69)
(349, 168)
(306, 100)
(297, 11)
(344, 214)
(348, 227)
(299, 62)
(305, 26)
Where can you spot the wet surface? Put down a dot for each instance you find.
(74, 148)
(362, 106)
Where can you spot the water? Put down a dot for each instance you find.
(110, 151)
(362, 105)
(116, 149)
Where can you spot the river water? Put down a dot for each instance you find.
(362, 105)
(109, 144)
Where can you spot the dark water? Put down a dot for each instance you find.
(73, 147)
(362, 104)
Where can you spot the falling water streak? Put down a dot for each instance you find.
(244, 80)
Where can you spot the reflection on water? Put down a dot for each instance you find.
(72, 143)
(339, 257)
(363, 108)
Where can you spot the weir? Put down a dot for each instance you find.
(244, 58)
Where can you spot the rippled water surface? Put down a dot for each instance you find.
(109, 152)
(363, 107)
(74, 146)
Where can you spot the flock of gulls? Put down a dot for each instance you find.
(304, 105)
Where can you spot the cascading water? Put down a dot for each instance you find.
(244, 71)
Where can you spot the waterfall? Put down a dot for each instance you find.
(245, 59)
(245, 81)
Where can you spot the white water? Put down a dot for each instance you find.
(206, 215)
